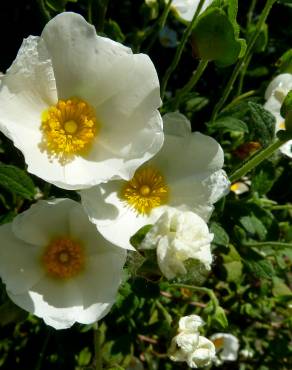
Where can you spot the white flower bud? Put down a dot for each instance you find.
(179, 236)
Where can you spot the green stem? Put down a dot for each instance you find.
(241, 62)
(43, 351)
(281, 207)
(159, 25)
(97, 348)
(89, 12)
(180, 49)
(236, 100)
(269, 244)
(256, 160)
(192, 82)
(45, 13)
(204, 290)
(250, 12)
(242, 75)
(101, 12)
(165, 313)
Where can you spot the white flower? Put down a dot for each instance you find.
(82, 108)
(189, 346)
(56, 265)
(227, 346)
(177, 237)
(187, 174)
(186, 9)
(275, 96)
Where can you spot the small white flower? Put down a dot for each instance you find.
(186, 174)
(275, 96)
(189, 346)
(227, 346)
(177, 237)
(186, 9)
(56, 265)
(81, 107)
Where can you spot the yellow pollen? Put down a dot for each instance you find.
(63, 258)
(70, 126)
(146, 190)
(68, 129)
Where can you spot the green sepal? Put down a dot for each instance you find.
(215, 38)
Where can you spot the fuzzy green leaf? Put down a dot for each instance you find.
(16, 181)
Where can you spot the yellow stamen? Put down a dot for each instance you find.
(63, 258)
(146, 190)
(69, 128)
(218, 343)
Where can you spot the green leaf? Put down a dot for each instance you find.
(220, 236)
(219, 319)
(262, 40)
(137, 238)
(113, 30)
(264, 178)
(215, 38)
(254, 226)
(280, 288)
(284, 64)
(16, 181)
(233, 265)
(228, 124)
(263, 123)
(258, 266)
(10, 313)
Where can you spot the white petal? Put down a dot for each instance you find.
(190, 323)
(201, 156)
(230, 346)
(287, 149)
(20, 264)
(43, 221)
(77, 54)
(114, 219)
(176, 124)
(283, 81)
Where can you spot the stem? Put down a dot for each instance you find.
(45, 14)
(192, 82)
(281, 207)
(166, 315)
(236, 100)
(207, 291)
(101, 12)
(43, 351)
(97, 349)
(180, 49)
(269, 244)
(242, 75)
(250, 12)
(241, 62)
(89, 12)
(256, 160)
(159, 25)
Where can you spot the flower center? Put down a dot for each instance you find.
(146, 190)
(218, 343)
(68, 128)
(63, 258)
